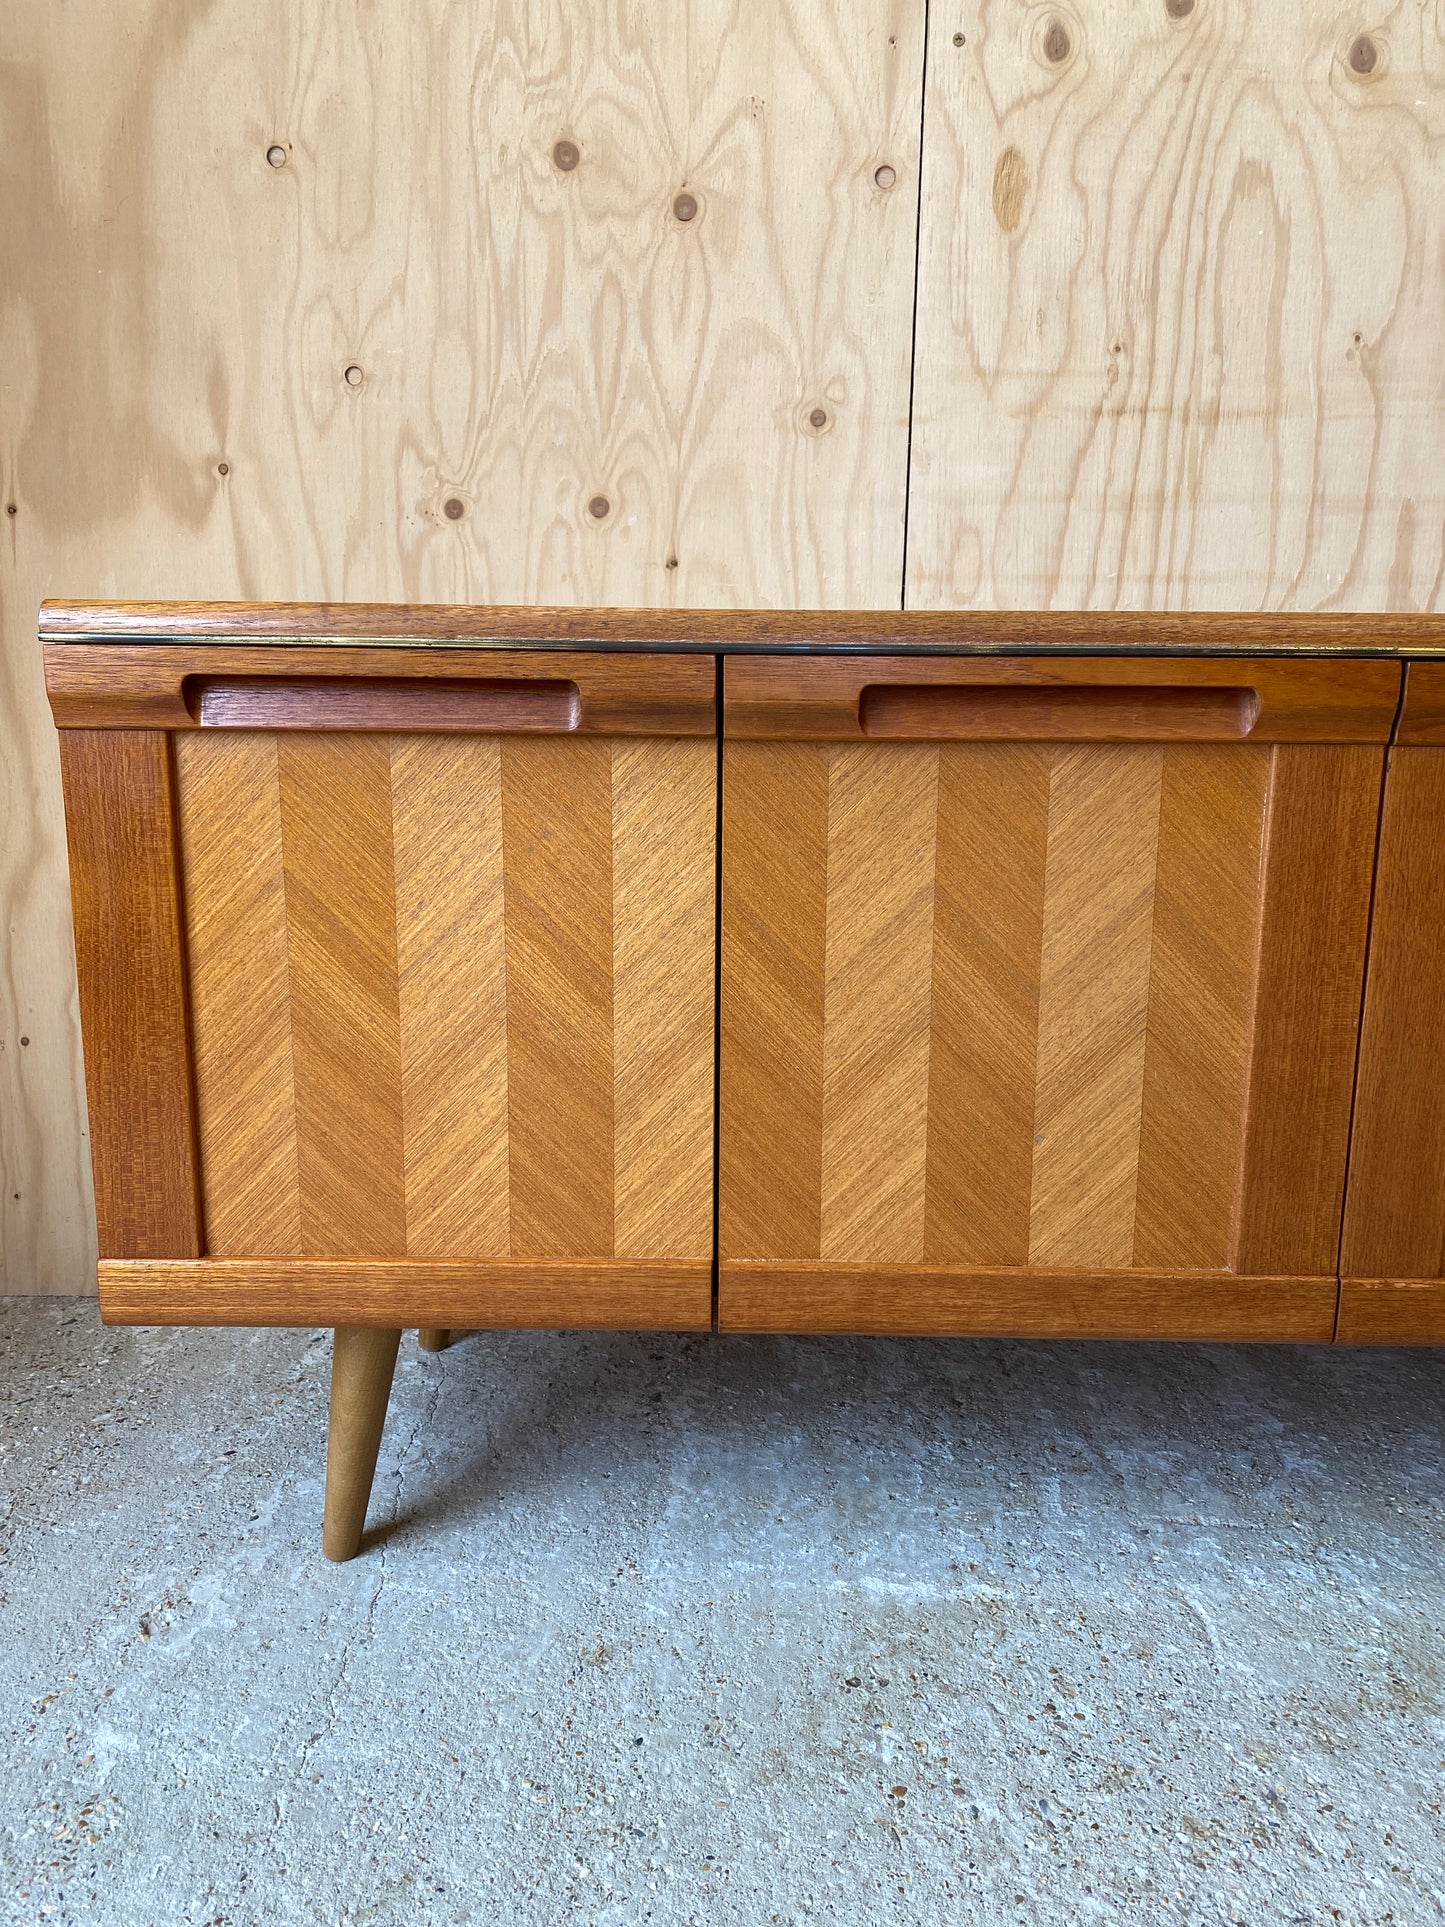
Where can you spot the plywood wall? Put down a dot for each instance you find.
(1171, 333)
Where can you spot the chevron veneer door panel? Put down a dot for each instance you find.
(1012, 1009)
(451, 996)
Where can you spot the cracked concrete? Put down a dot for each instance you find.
(705, 1630)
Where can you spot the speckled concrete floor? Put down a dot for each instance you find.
(713, 1631)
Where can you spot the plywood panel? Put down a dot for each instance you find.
(177, 318)
(1179, 329)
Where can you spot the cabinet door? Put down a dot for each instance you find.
(1040, 991)
(1392, 1260)
(448, 962)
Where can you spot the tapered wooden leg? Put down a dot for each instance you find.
(433, 1338)
(362, 1362)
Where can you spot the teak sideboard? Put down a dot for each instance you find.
(1046, 974)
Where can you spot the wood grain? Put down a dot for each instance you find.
(130, 948)
(792, 699)
(240, 975)
(1287, 631)
(1422, 709)
(1112, 1017)
(557, 828)
(481, 706)
(336, 819)
(988, 905)
(1202, 959)
(774, 964)
(1176, 347)
(1391, 1311)
(453, 996)
(877, 1000)
(1395, 1203)
(446, 801)
(1103, 833)
(600, 1294)
(1323, 809)
(664, 951)
(1018, 1302)
(114, 686)
(363, 1361)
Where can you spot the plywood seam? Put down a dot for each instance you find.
(913, 326)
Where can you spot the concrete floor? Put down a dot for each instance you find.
(713, 1631)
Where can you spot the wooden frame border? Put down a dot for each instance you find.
(789, 1295)
(1391, 1311)
(602, 1294)
(120, 815)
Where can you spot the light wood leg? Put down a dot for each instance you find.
(433, 1338)
(362, 1362)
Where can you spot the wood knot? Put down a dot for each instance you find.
(454, 508)
(1057, 44)
(818, 418)
(1178, 9)
(885, 176)
(1364, 55)
(684, 208)
(276, 154)
(599, 507)
(565, 156)
(355, 375)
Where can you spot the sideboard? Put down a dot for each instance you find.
(969, 973)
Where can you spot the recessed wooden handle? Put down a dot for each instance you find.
(1057, 698)
(265, 686)
(1101, 713)
(480, 707)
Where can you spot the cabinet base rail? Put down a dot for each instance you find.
(1012, 1302)
(759, 1296)
(546, 1294)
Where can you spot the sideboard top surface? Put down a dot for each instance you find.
(707, 631)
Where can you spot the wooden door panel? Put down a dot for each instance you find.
(452, 995)
(993, 1005)
(1392, 1258)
